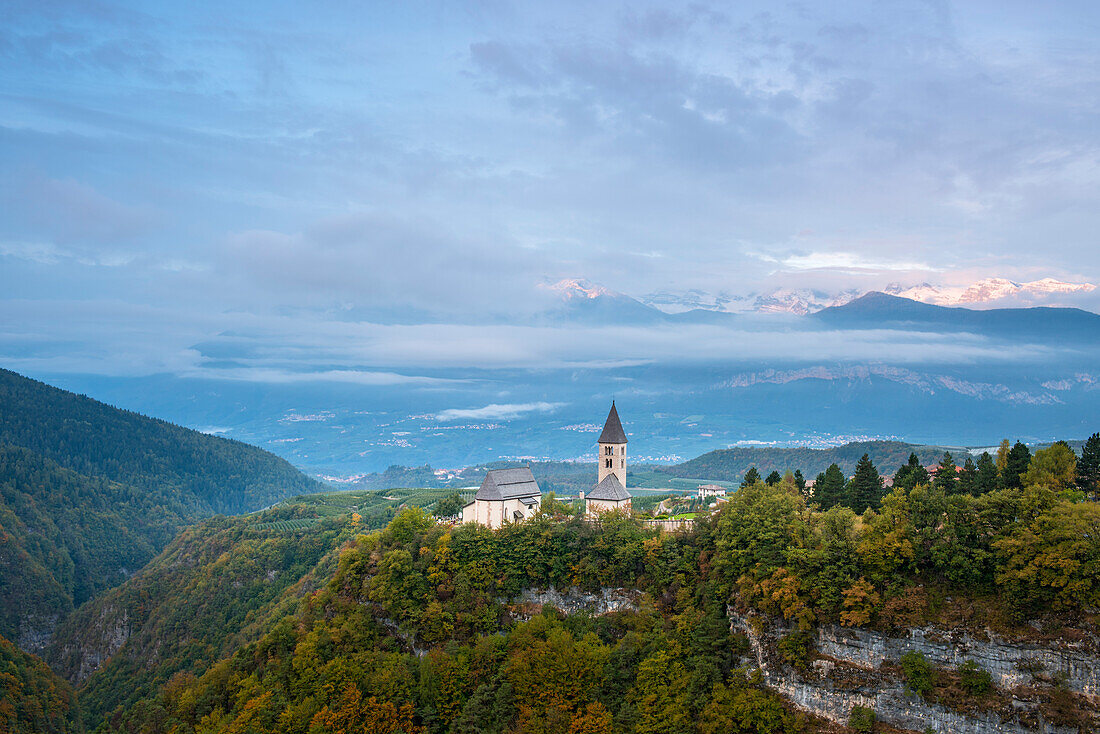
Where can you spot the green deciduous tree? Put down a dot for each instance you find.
(1054, 467)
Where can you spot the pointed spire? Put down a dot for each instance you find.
(613, 428)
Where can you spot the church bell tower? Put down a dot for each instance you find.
(612, 449)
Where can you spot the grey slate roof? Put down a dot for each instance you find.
(613, 428)
(610, 489)
(508, 484)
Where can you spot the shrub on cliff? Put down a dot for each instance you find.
(917, 672)
(975, 680)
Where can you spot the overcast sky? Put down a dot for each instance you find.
(170, 171)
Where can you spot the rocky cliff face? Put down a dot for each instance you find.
(857, 667)
(575, 601)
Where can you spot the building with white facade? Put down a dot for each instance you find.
(506, 495)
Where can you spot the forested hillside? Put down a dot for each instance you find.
(731, 464)
(32, 697)
(419, 629)
(218, 585)
(204, 474)
(89, 494)
(66, 537)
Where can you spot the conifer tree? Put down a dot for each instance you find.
(865, 489)
(800, 481)
(1015, 465)
(1002, 455)
(947, 475)
(911, 474)
(751, 477)
(988, 479)
(1088, 466)
(829, 488)
(774, 478)
(968, 477)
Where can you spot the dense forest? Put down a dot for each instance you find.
(206, 474)
(417, 629)
(362, 612)
(32, 697)
(89, 494)
(731, 464)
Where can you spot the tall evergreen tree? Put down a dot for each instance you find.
(1015, 465)
(1088, 466)
(1002, 456)
(968, 477)
(774, 478)
(865, 489)
(751, 477)
(800, 481)
(911, 474)
(987, 479)
(829, 488)
(947, 475)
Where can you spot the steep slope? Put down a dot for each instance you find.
(206, 474)
(198, 601)
(89, 494)
(32, 697)
(879, 310)
(66, 537)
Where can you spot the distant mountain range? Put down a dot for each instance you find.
(801, 301)
(588, 303)
(1039, 323)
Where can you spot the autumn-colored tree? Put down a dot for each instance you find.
(860, 601)
(1054, 562)
(1054, 467)
(594, 719)
(1002, 455)
(887, 547)
(352, 715)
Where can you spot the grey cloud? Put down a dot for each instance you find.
(72, 213)
(392, 264)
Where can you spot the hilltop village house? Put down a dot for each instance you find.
(513, 495)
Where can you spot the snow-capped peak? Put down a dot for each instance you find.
(578, 288)
(987, 291)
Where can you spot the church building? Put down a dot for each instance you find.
(506, 495)
(610, 490)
